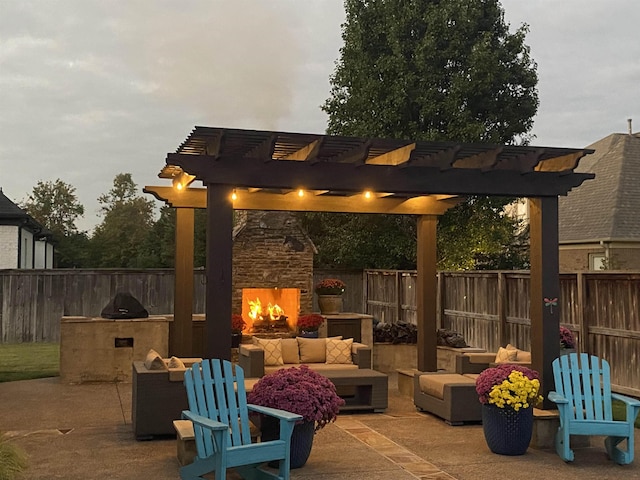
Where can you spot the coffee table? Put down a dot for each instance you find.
(362, 388)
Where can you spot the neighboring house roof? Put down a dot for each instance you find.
(12, 214)
(607, 207)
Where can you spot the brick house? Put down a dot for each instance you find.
(599, 224)
(24, 243)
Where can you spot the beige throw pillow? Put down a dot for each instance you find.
(153, 361)
(272, 351)
(175, 362)
(339, 351)
(506, 355)
(290, 350)
(312, 350)
(523, 356)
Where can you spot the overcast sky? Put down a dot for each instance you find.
(93, 88)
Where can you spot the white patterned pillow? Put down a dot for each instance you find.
(339, 351)
(272, 351)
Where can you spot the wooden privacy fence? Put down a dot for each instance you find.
(491, 309)
(32, 302)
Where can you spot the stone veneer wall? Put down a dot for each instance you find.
(271, 250)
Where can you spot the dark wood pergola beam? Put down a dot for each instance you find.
(281, 174)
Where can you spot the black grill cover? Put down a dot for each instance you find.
(124, 305)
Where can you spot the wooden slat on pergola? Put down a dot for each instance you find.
(269, 170)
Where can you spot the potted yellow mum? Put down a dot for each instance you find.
(508, 394)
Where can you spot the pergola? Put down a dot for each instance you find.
(269, 170)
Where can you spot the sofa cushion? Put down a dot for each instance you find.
(523, 356)
(312, 350)
(153, 361)
(290, 351)
(272, 350)
(338, 351)
(433, 385)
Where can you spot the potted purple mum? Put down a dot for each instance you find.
(566, 339)
(298, 390)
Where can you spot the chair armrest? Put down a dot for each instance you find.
(361, 355)
(274, 412)
(473, 362)
(555, 397)
(203, 421)
(627, 400)
(251, 359)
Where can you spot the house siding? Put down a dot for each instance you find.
(26, 249)
(8, 246)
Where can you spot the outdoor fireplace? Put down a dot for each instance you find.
(272, 263)
(270, 310)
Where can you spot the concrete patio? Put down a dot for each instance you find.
(84, 431)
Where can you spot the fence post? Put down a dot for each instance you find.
(502, 311)
(582, 326)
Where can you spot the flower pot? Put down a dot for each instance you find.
(301, 439)
(330, 304)
(308, 333)
(235, 340)
(507, 431)
(567, 351)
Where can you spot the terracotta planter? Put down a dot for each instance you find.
(330, 304)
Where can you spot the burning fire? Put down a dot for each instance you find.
(259, 313)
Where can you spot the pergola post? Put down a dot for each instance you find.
(426, 294)
(544, 290)
(180, 330)
(219, 271)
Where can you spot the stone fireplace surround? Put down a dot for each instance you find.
(271, 250)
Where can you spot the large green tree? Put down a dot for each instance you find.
(438, 70)
(119, 241)
(55, 206)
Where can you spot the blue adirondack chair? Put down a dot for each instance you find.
(219, 411)
(583, 395)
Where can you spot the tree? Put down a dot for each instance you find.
(55, 206)
(437, 70)
(432, 70)
(362, 241)
(120, 239)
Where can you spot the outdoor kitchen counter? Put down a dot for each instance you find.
(95, 349)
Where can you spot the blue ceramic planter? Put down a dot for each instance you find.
(506, 431)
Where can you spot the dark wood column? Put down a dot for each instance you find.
(426, 293)
(180, 330)
(219, 273)
(545, 290)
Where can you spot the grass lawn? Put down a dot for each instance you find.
(619, 412)
(25, 361)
